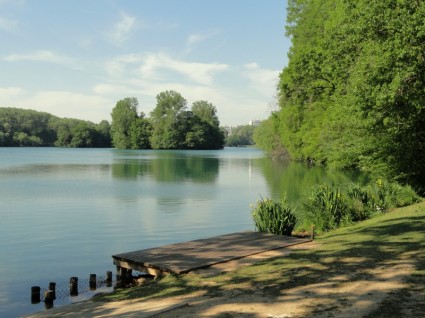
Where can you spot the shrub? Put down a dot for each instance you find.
(327, 208)
(362, 201)
(394, 195)
(275, 217)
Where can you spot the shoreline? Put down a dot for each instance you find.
(375, 268)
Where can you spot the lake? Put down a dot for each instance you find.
(64, 212)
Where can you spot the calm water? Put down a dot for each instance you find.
(64, 212)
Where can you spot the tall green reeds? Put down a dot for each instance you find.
(275, 217)
(330, 207)
(326, 208)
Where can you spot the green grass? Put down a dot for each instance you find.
(351, 251)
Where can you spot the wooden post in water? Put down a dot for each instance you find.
(48, 298)
(52, 287)
(108, 279)
(35, 294)
(122, 274)
(73, 286)
(92, 282)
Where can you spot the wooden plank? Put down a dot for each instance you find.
(186, 256)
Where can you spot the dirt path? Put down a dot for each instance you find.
(343, 295)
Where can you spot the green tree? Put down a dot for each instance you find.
(165, 134)
(351, 95)
(240, 136)
(82, 135)
(206, 112)
(124, 114)
(103, 134)
(205, 131)
(140, 133)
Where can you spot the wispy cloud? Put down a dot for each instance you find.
(122, 29)
(42, 56)
(202, 73)
(7, 92)
(8, 25)
(88, 107)
(264, 80)
(198, 37)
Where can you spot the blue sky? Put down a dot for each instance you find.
(77, 58)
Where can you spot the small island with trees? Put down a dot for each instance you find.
(170, 126)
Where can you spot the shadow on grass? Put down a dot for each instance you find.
(383, 257)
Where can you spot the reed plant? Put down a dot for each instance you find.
(394, 195)
(362, 201)
(327, 208)
(275, 217)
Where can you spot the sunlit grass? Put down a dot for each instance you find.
(351, 252)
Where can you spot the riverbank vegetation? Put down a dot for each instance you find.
(331, 207)
(29, 128)
(352, 93)
(381, 259)
(170, 125)
(274, 217)
(240, 136)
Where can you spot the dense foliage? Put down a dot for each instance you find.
(23, 127)
(330, 207)
(274, 217)
(170, 125)
(240, 136)
(353, 93)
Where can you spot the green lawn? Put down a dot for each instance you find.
(356, 252)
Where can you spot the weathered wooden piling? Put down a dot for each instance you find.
(35, 294)
(48, 296)
(52, 287)
(73, 286)
(92, 282)
(312, 232)
(108, 279)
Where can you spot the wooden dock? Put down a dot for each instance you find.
(184, 257)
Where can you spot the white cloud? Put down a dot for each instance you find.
(72, 105)
(201, 73)
(198, 37)
(145, 75)
(121, 31)
(161, 67)
(8, 25)
(8, 92)
(59, 103)
(263, 80)
(43, 56)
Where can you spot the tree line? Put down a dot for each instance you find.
(240, 136)
(24, 127)
(170, 124)
(352, 94)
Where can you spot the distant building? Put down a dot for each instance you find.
(254, 122)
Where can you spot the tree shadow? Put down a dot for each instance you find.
(380, 261)
(376, 271)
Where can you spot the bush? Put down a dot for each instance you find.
(362, 201)
(275, 217)
(394, 195)
(327, 208)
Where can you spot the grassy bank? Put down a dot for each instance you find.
(389, 248)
